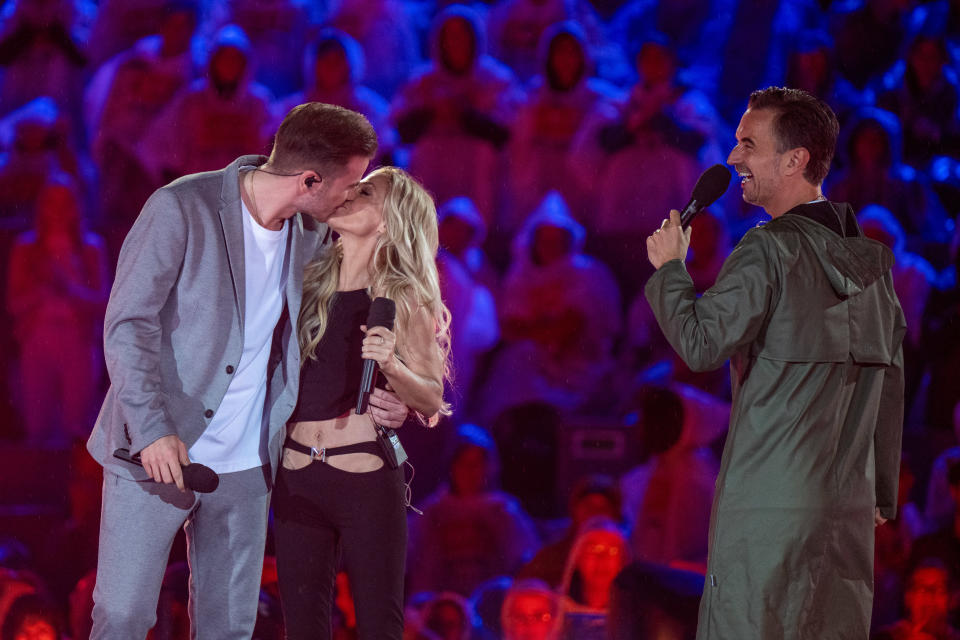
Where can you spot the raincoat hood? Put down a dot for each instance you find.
(476, 26)
(42, 111)
(230, 35)
(351, 48)
(874, 214)
(853, 263)
(573, 30)
(463, 208)
(554, 211)
(885, 121)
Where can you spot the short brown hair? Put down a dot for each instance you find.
(802, 120)
(323, 137)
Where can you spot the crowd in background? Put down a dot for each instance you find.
(555, 136)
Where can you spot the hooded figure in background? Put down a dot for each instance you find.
(123, 99)
(333, 66)
(473, 311)
(875, 174)
(455, 114)
(42, 53)
(598, 554)
(278, 31)
(470, 531)
(559, 315)
(516, 26)
(384, 28)
(667, 498)
(37, 143)
(547, 122)
(913, 279)
(214, 120)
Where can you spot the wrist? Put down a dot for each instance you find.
(391, 366)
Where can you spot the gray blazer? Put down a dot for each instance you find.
(173, 332)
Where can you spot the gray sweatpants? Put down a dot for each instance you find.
(226, 532)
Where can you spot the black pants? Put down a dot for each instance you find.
(319, 510)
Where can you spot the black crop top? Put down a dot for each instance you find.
(329, 383)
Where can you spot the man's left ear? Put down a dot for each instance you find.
(797, 160)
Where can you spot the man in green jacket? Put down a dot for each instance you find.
(805, 311)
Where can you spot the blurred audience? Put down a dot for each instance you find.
(892, 549)
(939, 506)
(597, 556)
(122, 101)
(592, 496)
(455, 114)
(668, 497)
(927, 601)
(278, 32)
(923, 93)
(558, 101)
(913, 279)
(461, 264)
(42, 45)
(333, 65)
(384, 30)
(38, 142)
(214, 120)
(559, 317)
(448, 616)
(531, 611)
(553, 155)
(653, 601)
(56, 294)
(874, 174)
(469, 531)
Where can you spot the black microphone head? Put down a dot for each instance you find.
(711, 184)
(382, 313)
(200, 478)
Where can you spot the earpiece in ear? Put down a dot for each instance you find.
(310, 182)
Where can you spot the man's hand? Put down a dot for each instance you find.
(669, 242)
(163, 458)
(877, 518)
(387, 409)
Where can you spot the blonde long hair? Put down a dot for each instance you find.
(403, 268)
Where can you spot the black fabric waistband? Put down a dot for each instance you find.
(369, 446)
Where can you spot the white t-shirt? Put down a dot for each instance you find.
(236, 438)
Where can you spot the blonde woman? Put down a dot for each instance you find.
(335, 489)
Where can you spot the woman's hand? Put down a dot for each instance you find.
(380, 345)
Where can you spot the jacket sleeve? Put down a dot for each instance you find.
(706, 331)
(147, 271)
(889, 430)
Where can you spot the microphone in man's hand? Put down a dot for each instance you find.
(711, 184)
(382, 313)
(196, 477)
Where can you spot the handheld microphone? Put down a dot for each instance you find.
(711, 184)
(382, 313)
(196, 477)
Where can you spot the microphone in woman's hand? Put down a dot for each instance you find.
(196, 477)
(382, 314)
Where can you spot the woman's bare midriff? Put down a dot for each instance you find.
(336, 432)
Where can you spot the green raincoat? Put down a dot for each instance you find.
(812, 328)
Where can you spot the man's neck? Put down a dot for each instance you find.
(801, 194)
(267, 204)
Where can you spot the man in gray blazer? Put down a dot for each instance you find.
(201, 346)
